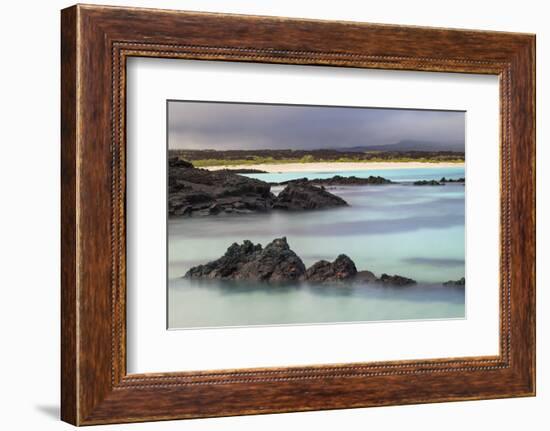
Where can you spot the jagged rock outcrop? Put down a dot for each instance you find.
(365, 277)
(395, 280)
(450, 180)
(339, 180)
(176, 162)
(459, 282)
(428, 183)
(304, 196)
(244, 171)
(276, 263)
(342, 269)
(200, 192)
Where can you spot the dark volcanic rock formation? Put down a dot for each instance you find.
(449, 180)
(342, 269)
(339, 180)
(195, 191)
(428, 183)
(176, 162)
(459, 282)
(276, 263)
(303, 196)
(365, 277)
(244, 171)
(199, 192)
(395, 280)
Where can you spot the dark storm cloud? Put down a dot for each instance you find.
(229, 126)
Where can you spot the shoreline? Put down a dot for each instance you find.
(334, 166)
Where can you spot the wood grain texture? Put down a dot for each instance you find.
(69, 397)
(96, 41)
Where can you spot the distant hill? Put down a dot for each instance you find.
(408, 145)
(202, 158)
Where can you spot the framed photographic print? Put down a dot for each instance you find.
(266, 215)
(282, 212)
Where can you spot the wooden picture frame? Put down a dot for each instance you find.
(95, 43)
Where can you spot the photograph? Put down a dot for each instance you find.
(303, 214)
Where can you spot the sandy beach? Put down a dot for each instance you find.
(335, 166)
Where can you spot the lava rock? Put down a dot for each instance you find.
(303, 196)
(428, 183)
(198, 192)
(459, 282)
(450, 180)
(276, 263)
(244, 171)
(176, 162)
(339, 180)
(365, 277)
(342, 269)
(395, 280)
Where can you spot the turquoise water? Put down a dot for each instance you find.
(408, 174)
(417, 232)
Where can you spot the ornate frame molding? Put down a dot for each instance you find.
(96, 41)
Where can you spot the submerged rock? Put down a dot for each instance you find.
(428, 183)
(449, 180)
(244, 171)
(396, 280)
(459, 282)
(303, 196)
(276, 263)
(339, 180)
(342, 269)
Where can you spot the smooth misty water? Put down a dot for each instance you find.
(417, 232)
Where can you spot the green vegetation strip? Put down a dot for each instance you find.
(309, 159)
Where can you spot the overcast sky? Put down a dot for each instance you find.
(231, 126)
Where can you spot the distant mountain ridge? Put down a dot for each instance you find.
(407, 145)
